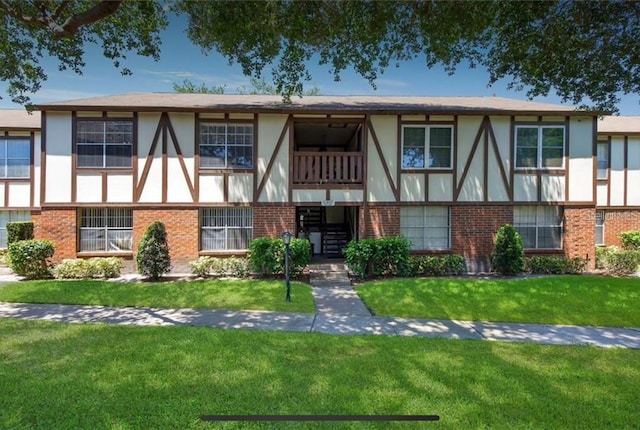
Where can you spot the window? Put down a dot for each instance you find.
(600, 217)
(603, 160)
(226, 145)
(539, 147)
(427, 227)
(539, 226)
(7, 217)
(15, 158)
(104, 143)
(106, 229)
(420, 142)
(225, 228)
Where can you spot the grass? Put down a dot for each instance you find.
(61, 376)
(579, 300)
(208, 294)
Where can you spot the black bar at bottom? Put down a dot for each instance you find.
(320, 418)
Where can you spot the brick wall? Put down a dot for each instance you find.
(58, 226)
(619, 221)
(472, 231)
(579, 234)
(272, 221)
(381, 221)
(182, 233)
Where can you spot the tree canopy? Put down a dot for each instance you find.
(587, 52)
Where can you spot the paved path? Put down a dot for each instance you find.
(339, 311)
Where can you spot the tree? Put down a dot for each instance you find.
(153, 257)
(586, 51)
(256, 86)
(507, 257)
(189, 87)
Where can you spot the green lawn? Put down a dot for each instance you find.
(211, 294)
(580, 300)
(62, 376)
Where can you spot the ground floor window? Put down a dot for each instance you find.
(7, 217)
(106, 229)
(600, 227)
(539, 226)
(427, 227)
(229, 228)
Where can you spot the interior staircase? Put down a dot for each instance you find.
(334, 238)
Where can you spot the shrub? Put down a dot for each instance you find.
(266, 255)
(99, 267)
(455, 264)
(630, 240)
(556, 265)
(16, 231)
(201, 266)
(602, 254)
(389, 256)
(621, 262)
(212, 266)
(153, 252)
(507, 257)
(438, 265)
(30, 258)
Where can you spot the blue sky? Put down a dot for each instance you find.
(182, 60)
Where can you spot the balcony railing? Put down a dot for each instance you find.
(327, 168)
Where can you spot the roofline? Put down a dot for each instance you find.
(307, 110)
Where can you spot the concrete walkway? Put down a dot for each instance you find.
(339, 311)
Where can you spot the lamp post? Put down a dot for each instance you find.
(286, 239)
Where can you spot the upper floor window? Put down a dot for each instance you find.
(226, 145)
(104, 143)
(427, 147)
(539, 147)
(603, 160)
(15, 158)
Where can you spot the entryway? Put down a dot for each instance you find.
(329, 229)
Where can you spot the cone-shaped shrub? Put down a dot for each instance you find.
(153, 252)
(507, 257)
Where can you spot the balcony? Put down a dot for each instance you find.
(320, 168)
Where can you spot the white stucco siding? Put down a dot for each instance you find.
(184, 128)
(616, 172)
(581, 160)
(378, 188)
(440, 187)
(552, 188)
(241, 188)
(147, 125)
(19, 194)
(525, 188)
(386, 129)
(633, 171)
(304, 196)
(350, 196)
(119, 188)
(412, 188)
(473, 186)
(498, 189)
(467, 130)
(603, 193)
(89, 188)
(58, 161)
(276, 185)
(177, 188)
(2, 193)
(211, 188)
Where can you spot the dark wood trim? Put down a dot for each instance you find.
(626, 168)
(327, 194)
(426, 187)
(183, 166)
(399, 148)
(43, 156)
(104, 187)
(6, 196)
(583, 204)
(225, 120)
(327, 186)
(329, 120)
(512, 157)
(609, 174)
(485, 147)
(272, 160)
(376, 143)
(496, 152)
(74, 157)
(365, 163)
(148, 161)
(134, 158)
(196, 160)
(539, 186)
(290, 158)
(455, 156)
(426, 122)
(427, 170)
(164, 119)
(32, 169)
(225, 188)
(539, 123)
(472, 153)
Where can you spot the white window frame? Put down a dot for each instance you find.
(605, 169)
(424, 226)
(427, 146)
(226, 144)
(227, 213)
(538, 226)
(104, 143)
(7, 217)
(539, 160)
(4, 161)
(116, 239)
(600, 224)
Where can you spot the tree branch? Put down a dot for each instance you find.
(96, 13)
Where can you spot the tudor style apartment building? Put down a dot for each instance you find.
(219, 170)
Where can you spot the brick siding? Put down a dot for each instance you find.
(619, 221)
(59, 226)
(579, 234)
(272, 221)
(381, 221)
